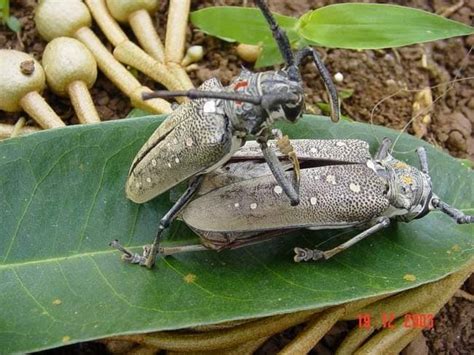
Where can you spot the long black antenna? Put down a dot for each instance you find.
(267, 101)
(328, 83)
(278, 33)
(201, 94)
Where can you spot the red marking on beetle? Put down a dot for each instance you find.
(241, 84)
(237, 86)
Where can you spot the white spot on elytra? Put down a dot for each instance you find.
(148, 180)
(209, 106)
(137, 185)
(354, 187)
(340, 144)
(313, 150)
(278, 190)
(189, 142)
(177, 160)
(253, 206)
(169, 165)
(370, 164)
(236, 205)
(313, 200)
(331, 179)
(153, 162)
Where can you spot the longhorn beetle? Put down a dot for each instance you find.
(341, 187)
(202, 135)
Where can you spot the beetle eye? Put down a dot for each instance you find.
(293, 110)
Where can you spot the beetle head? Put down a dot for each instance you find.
(409, 191)
(282, 98)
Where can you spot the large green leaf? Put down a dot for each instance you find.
(62, 201)
(370, 26)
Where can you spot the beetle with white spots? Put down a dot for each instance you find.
(355, 191)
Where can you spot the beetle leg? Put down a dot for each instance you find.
(128, 256)
(284, 146)
(275, 166)
(165, 251)
(383, 149)
(305, 254)
(151, 252)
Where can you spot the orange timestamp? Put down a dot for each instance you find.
(410, 320)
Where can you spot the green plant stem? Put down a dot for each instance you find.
(227, 338)
(354, 340)
(313, 332)
(221, 339)
(248, 348)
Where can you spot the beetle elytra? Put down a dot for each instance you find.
(342, 186)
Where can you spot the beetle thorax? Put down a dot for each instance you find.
(409, 189)
(253, 118)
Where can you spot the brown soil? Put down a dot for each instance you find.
(384, 85)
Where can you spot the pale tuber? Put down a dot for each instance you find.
(137, 14)
(128, 52)
(71, 70)
(193, 54)
(8, 131)
(176, 26)
(249, 52)
(22, 80)
(71, 18)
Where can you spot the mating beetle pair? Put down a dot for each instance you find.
(341, 186)
(202, 135)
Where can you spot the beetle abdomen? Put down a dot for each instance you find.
(331, 196)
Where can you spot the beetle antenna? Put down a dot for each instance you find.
(325, 76)
(201, 94)
(278, 34)
(452, 212)
(423, 158)
(384, 147)
(266, 101)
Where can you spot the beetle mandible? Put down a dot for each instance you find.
(201, 135)
(342, 186)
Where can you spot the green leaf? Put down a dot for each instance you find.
(241, 24)
(14, 24)
(244, 25)
(62, 201)
(5, 9)
(371, 26)
(270, 55)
